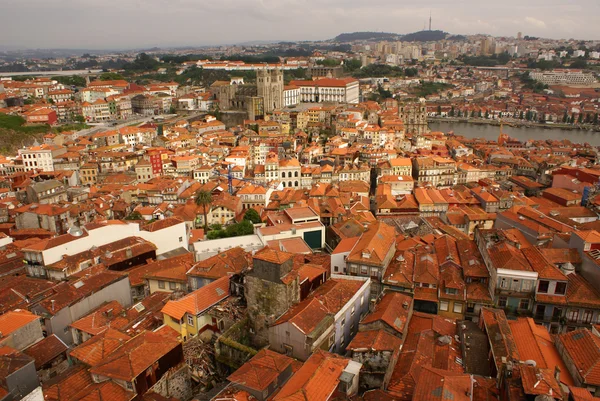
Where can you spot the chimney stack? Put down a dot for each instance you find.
(557, 374)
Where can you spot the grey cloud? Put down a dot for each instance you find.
(136, 23)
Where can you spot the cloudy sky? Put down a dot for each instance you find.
(122, 24)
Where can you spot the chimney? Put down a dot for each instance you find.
(129, 253)
(52, 302)
(557, 374)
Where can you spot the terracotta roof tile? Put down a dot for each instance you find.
(135, 356)
(46, 350)
(199, 300)
(262, 370)
(14, 320)
(581, 293)
(99, 347)
(374, 341)
(67, 385)
(316, 380)
(393, 309)
(230, 262)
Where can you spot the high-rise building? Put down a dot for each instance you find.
(519, 35)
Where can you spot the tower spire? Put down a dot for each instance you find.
(430, 20)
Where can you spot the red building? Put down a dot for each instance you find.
(42, 116)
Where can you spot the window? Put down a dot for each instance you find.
(502, 302)
(161, 284)
(503, 283)
(561, 288)
(543, 287)
(451, 291)
(364, 270)
(457, 307)
(470, 307)
(335, 269)
(352, 313)
(180, 239)
(343, 323)
(573, 315)
(172, 286)
(587, 316)
(190, 320)
(129, 386)
(443, 306)
(526, 285)
(524, 303)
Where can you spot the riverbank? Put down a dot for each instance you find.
(515, 124)
(491, 132)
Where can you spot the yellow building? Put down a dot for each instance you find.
(190, 315)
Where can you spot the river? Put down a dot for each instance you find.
(522, 133)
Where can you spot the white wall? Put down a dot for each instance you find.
(339, 260)
(165, 240)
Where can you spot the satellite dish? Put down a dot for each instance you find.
(75, 231)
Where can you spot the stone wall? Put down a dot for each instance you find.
(234, 347)
(176, 382)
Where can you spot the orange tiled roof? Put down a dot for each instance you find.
(535, 343)
(392, 309)
(135, 356)
(232, 261)
(46, 350)
(99, 347)
(14, 320)
(316, 380)
(199, 300)
(374, 341)
(262, 370)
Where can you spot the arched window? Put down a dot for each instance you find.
(283, 184)
(296, 184)
(296, 174)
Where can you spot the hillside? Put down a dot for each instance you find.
(14, 134)
(424, 36)
(356, 36)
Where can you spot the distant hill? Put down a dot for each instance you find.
(424, 36)
(355, 36)
(421, 36)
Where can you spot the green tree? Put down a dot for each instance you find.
(565, 118)
(252, 216)
(204, 199)
(352, 65)
(452, 111)
(596, 119)
(110, 76)
(78, 118)
(580, 118)
(487, 114)
(572, 118)
(135, 215)
(329, 62)
(528, 115)
(244, 227)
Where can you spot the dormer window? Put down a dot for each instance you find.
(366, 254)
